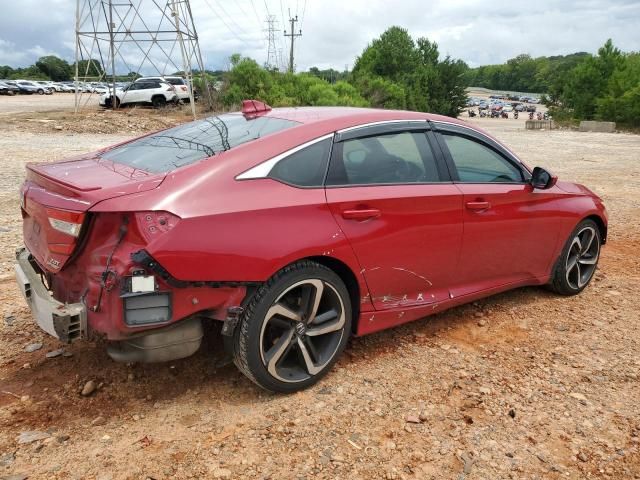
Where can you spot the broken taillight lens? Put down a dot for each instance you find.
(66, 221)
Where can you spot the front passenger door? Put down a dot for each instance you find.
(510, 229)
(130, 95)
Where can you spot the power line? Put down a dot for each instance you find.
(230, 17)
(304, 9)
(253, 5)
(231, 30)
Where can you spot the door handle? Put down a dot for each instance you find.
(361, 214)
(478, 206)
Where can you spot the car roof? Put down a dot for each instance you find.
(345, 117)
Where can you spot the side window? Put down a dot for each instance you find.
(133, 86)
(404, 157)
(477, 163)
(304, 168)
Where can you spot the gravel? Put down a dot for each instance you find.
(568, 368)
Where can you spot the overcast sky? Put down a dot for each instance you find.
(334, 32)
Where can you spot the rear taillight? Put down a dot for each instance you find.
(66, 221)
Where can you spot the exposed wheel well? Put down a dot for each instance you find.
(350, 281)
(601, 226)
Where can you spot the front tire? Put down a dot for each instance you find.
(578, 260)
(294, 328)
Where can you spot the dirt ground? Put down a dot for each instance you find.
(523, 385)
(42, 103)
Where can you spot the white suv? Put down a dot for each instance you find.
(153, 91)
(182, 87)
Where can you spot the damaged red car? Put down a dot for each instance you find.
(291, 229)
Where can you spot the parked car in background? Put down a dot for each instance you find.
(294, 229)
(67, 87)
(28, 87)
(531, 108)
(46, 85)
(99, 88)
(150, 92)
(181, 85)
(8, 88)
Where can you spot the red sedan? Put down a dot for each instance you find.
(292, 229)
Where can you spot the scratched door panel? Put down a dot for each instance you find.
(408, 252)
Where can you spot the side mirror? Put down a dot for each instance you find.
(542, 179)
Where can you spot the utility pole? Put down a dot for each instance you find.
(292, 35)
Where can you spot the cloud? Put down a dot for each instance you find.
(334, 32)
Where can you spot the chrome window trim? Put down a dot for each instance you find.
(478, 132)
(381, 122)
(263, 169)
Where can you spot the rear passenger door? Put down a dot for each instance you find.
(390, 194)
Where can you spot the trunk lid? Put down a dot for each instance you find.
(56, 197)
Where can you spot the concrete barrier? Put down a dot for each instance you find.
(592, 126)
(539, 124)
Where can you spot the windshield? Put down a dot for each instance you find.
(189, 143)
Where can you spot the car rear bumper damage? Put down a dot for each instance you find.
(141, 326)
(67, 322)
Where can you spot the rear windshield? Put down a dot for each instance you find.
(189, 143)
(175, 81)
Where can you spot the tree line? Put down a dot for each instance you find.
(579, 86)
(397, 71)
(393, 71)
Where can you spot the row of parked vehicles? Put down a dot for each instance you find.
(500, 106)
(47, 87)
(155, 91)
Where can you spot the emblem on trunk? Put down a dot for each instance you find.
(53, 263)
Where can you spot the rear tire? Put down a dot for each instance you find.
(294, 328)
(158, 102)
(578, 261)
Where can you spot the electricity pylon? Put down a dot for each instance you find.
(126, 38)
(272, 53)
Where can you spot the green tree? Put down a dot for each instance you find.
(589, 80)
(621, 101)
(6, 71)
(55, 68)
(391, 56)
(90, 68)
(396, 72)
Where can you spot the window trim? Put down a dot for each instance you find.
(424, 129)
(263, 169)
(475, 136)
(376, 128)
(306, 187)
